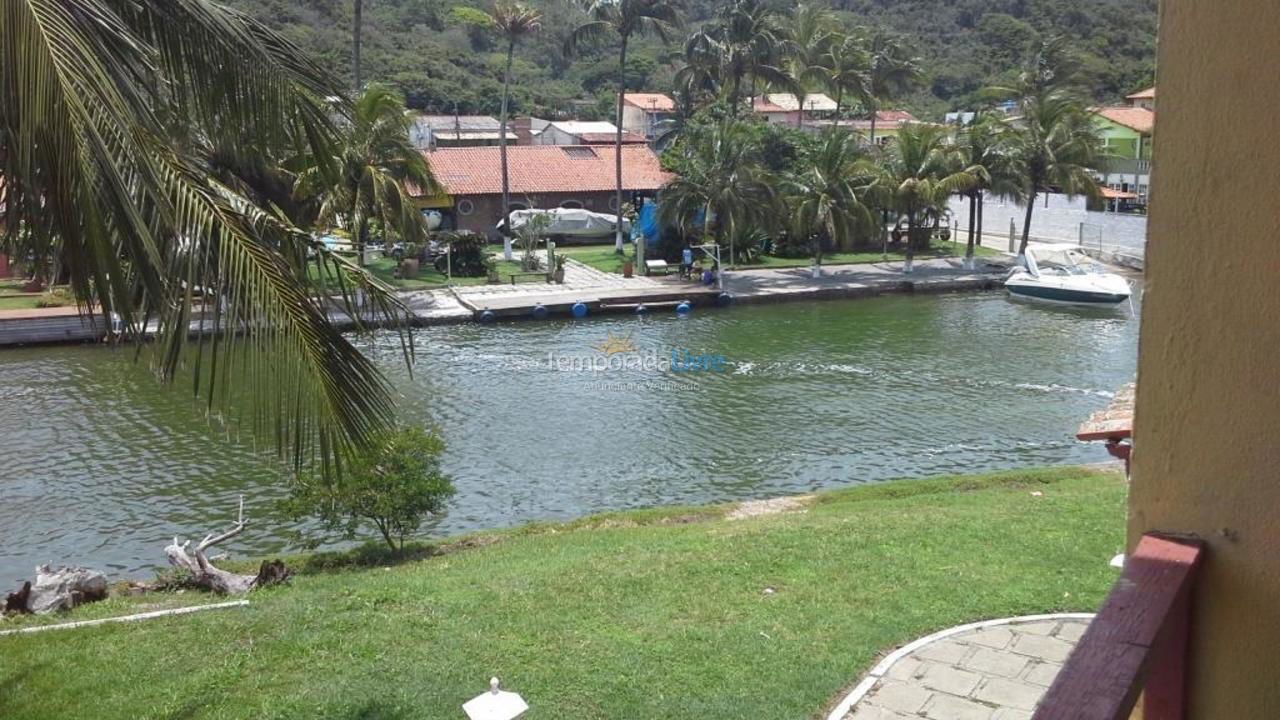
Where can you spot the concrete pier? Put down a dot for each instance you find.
(601, 292)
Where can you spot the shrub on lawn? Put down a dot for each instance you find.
(395, 484)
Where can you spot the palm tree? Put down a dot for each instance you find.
(893, 72)
(919, 173)
(750, 48)
(624, 19)
(698, 80)
(371, 172)
(357, 29)
(846, 69)
(1054, 146)
(982, 147)
(721, 179)
(109, 113)
(808, 38)
(826, 197)
(515, 21)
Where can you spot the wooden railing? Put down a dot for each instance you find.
(1137, 644)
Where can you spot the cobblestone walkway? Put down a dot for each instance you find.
(987, 671)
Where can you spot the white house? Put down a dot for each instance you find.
(583, 132)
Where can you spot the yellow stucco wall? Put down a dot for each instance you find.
(1207, 426)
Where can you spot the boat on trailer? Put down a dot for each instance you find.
(1060, 273)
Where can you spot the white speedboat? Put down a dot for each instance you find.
(1063, 274)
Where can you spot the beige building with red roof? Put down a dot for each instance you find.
(642, 113)
(541, 176)
(1143, 98)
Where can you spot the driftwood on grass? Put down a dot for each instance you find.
(57, 589)
(204, 574)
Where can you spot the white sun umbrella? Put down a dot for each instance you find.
(495, 704)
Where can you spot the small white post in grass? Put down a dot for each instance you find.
(495, 704)
(506, 248)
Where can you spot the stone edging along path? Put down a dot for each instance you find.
(869, 682)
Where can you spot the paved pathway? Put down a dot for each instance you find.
(578, 277)
(986, 671)
(784, 281)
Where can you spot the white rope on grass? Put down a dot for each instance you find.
(125, 618)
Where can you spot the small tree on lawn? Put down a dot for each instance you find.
(395, 484)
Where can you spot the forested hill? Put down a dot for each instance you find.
(439, 62)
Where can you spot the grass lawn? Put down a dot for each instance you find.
(18, 302)
(600, 257)
(649, 614)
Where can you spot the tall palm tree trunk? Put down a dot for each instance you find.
(973, 221)
(911, 242)
(839, 100)
(1026, 224)
(982, 201)
(356, 29)
(617, 155)
(362, 239)
(502, 141)
(875, 110)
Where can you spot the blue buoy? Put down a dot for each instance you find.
(539, 312)
(579, 309)
(487, 316)
(683, 308)
(641, 309)
(724, 299)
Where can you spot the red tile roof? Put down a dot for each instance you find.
(762, 105)
(885, 119)
(894, 116)
(1135, 118)
(1148, 94)
(545, 169)
(653, 102)
(1116, 194)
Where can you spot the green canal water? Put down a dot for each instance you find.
(101, 466)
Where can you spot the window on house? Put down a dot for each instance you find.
(578, 151)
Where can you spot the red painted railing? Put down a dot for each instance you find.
(1137, 645)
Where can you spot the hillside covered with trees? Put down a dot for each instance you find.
(440, 59)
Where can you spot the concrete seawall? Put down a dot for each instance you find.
(443, 307)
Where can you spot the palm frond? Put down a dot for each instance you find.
(110, 113)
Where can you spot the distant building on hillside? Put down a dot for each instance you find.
(642, 113)
(541, 176)
(584, 132)
(433, 131)
(1128, 134)
(786, 109)
(887, 125)
(1143, 99)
